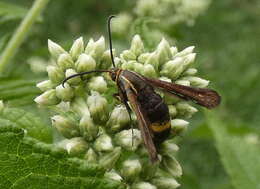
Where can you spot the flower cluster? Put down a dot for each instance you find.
(173, 11)
(97, 127)
(168, 12)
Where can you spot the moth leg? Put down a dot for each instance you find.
(124, 101)
(117, 97)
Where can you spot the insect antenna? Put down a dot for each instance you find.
(110, 38)
(81, 74)
(114, 65)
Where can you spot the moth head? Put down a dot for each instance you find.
(114, 73)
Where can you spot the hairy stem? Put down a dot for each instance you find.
(21, 33)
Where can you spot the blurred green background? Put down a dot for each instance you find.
(227, 41)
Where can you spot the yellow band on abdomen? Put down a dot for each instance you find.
(159, 127)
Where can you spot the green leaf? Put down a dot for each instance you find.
(9, 11)
(239, 156)
(33, 125)
(27, 163)
(18, 91)
(3, 41)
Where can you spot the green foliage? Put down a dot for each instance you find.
(227, 41)
(18, 91)
(240, 155)
(9, 12)
(28, 121)
(28, 163)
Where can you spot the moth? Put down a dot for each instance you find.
(151, 111)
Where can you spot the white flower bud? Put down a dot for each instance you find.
(87, 128)
(65, 93)
(90, 46)
(103, 143)
(196, 81)
(149, 170)
(149, 71)
(165, 79)
(108, 160)
(119, 118)
(185, 110)
(55, 74)
(76, 146)
(106, 60)
(182, 82)
(96, 49)
(172, 166)
(174, 50)
(79, 105)
(113, 175)
(169, 147)
(190, 58)
(172, 111)
(118, 62)
(65, 61)
(91, 156)
(185, 51)
(120, 25)
(131, 169)
(173, 68)
(47, 98)
(129, 139)
(128, 55)
(97, 84)
(72, 81)
(142, 58)
(99, 48)
(129, 65)
(45, 85)
(77, 48)
(178, 126)
(177, 66)
(65, 126)
(190, 71)
(98, 107)
(147, 7)
(55, 49)
(63, 107)
(137, 46)
(165, 183)
(164, 51)
(138, 67)
(142, 185)
(153, 59)
(85, 63)
(2, 106)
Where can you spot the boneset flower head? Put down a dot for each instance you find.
(169, 14)
(97, 126)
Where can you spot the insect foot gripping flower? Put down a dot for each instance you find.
(97, 127)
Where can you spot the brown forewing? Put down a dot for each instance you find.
(143, 123)
(202, 96)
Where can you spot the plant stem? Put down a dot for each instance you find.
(21, 33)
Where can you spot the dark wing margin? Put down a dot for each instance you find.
(143, 123)
(202, 96)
